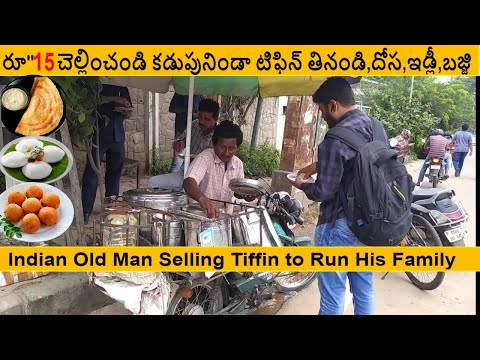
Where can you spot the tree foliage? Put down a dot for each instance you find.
(83, 98)
(434, 104)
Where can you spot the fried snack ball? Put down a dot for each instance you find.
(30, 223)
(48, 216)
(31, 206)
(16, 197)
(13, 212)
(51, 200)
(34, 191)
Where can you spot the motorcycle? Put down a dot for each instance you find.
(436, 166)
(436, 171)
(234, 292)
(439, 208)
(443, 212)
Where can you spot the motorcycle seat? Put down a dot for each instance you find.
(423, 194)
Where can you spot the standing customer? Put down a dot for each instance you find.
(179, 106)
(116, 106)
(334, 170)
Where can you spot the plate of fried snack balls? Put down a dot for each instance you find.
(35, 212)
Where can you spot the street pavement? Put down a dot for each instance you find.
(396, 295)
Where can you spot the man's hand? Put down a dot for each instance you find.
(298, 183)
(178, 146)
(471, 153)
(126, 113)
(308, 170)
(121, 101)
(208, 207)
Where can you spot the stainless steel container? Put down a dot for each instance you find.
(156, 198)
(167, 231)
(119, 226)
(222, 228)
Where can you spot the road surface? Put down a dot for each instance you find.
(396, 295)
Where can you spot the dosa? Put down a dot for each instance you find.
(44, 111)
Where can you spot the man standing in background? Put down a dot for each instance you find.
(116, 106)
(463, 143)
(179, 106)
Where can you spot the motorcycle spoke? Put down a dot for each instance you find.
(200, 296)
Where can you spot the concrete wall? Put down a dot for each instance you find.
(269, 118)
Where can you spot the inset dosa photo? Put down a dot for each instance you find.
(33, 106)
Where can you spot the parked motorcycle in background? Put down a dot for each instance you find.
(446, 214)
(438, 206)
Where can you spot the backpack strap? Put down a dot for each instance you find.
(346, 136)
(355, 141)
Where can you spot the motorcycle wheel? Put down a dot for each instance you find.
(294, 281)
(434, 181)
(206, 299)
(425, 235)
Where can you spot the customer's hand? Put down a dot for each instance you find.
(122, 101)
(298, 182)
(308, 171)
(208, 207)
(178, 146)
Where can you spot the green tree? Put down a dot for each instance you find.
(83, 98)
(434, 104)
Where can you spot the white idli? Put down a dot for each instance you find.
(24, 145)
(52, 154)
(37, 170)
(14, 159)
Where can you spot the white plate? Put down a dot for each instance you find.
(182, 155)
(45, 233)
(435, 167)
(291, 177)
(41, 138)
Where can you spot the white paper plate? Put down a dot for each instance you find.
(291, 177)
(45, 233)
(41, 138)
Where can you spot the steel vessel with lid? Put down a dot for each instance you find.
(154, 198)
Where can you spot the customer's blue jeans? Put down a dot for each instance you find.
(332, 284)
(177, 161)
(458, 159)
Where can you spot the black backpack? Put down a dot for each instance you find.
(378, 199)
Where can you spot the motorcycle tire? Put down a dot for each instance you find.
(207, 300)
(434, 181)
(432, 239)
(307, 280)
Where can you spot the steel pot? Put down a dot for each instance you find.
(222, 228)
(154, 198)
(167, 231)
(119, 226)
